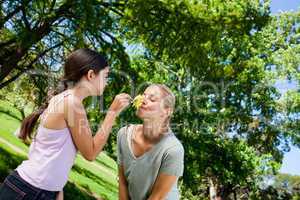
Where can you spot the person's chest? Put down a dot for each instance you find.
(143, 160)
(147, 165)
(139, 148)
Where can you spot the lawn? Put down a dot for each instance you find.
(98, 178)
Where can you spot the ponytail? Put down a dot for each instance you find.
(28, 124)
(77, 64)
(30, 121)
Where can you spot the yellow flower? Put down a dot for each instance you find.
(138, 101)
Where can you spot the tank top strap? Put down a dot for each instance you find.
(66, 93)
(63, 95)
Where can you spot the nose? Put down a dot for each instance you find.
(144, 100)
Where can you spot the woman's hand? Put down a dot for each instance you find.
(76, 117)
(120, 102)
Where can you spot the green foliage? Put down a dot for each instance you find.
(271, 193)
(36, 36)
(221, 59)
(284, 186)
(290, 182)
(182, 32)
(22, 103)
(221, 53)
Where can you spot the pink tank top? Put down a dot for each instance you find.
(51, 157)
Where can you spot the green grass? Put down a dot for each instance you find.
(94, 183)
(98, 178)
(9, 137)
(9, 160)
(107, 161)
(6, 107)
(8, 123)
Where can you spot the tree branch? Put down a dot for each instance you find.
(2, 44)
(111, 37)
(15, 77)
(26, 22)
(11, 14)
(52, 5)
(29, 66)
(111, 5)
(44, 53)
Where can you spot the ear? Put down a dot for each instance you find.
(90, 75)
(168, 111)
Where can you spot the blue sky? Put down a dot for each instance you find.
(291, 161)
(284, 5)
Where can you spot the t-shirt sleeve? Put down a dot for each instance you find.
(173, 162)
(120, 137)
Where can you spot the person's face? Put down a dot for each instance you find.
(152, 107)
(99, 81)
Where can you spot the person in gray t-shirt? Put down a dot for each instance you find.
(150, 157)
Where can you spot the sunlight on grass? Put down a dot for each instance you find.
(98, 177)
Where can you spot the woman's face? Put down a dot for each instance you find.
(153, 106)
(99, 81)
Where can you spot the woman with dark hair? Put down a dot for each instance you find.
(62, 130)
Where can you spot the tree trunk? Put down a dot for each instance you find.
(234, 195)
(214, 190)
(10, 58)
(217, 191)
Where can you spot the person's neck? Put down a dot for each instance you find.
(153, 131)
(80, 91)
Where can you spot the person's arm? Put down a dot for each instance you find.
(162, 186)
(78, 124)
(60, 195)
(123, 190)
(171, 169)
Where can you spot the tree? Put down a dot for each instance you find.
(221, 53)
(220, 57)
(282, 38)
(43, 32)
(23, 102)
(284, 186)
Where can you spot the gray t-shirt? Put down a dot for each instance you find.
(164, 157)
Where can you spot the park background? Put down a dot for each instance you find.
(234, 66)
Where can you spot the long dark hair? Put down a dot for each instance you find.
(76, 66)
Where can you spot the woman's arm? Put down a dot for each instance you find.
(77, 121)
(162, 186)
(123, 191)
(171, 169)
(60, 195)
